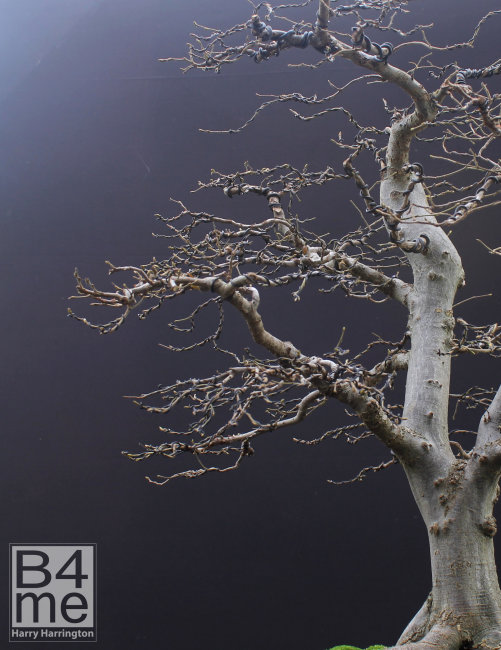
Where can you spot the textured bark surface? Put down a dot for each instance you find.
(455, 497)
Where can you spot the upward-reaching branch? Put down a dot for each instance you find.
(322, 22)
(489, 430)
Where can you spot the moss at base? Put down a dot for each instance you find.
(351, 647)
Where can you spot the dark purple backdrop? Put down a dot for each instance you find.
(95, 136)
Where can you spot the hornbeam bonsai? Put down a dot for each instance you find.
(402, 252)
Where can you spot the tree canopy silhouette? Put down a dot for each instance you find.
(402, 252)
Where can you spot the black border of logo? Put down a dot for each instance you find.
(41, 544)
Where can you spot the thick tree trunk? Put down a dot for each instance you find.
(455, 496)
(463, 609)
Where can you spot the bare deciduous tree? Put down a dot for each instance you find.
(455, 485)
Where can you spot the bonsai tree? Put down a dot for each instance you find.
(402, 252)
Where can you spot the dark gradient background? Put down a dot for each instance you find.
(95, 137)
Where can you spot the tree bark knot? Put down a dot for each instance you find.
(489, 526)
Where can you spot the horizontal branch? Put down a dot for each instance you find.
(478, 73)
(397, 361)
(318, 257)
(392, 287)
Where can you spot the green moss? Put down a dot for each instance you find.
(351, 647)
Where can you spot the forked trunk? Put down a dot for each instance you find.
(455, 495)
(463, 609)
